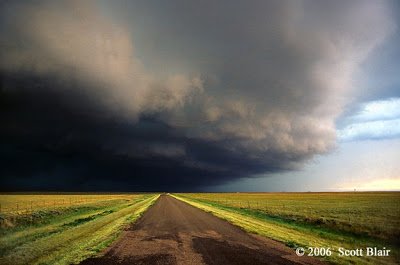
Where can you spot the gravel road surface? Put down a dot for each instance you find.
(174, 232)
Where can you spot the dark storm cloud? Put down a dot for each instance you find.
(254, 88)
(57, 140)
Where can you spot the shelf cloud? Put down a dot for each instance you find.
(215, 91)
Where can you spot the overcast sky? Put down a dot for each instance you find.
(200, 95)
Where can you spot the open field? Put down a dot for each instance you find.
(69, 228)
(25, 203)
(62, 233)
(361, 213)
(349, 220)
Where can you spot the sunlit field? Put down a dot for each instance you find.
(64, 229)
(24, 203)
(353, 219)
(361, 212)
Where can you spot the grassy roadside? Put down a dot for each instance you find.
(296, 234)
(72, 235)
(373, 214)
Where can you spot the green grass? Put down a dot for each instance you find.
(305, 219)
(14, 203)
(375, 214)
(68, 234)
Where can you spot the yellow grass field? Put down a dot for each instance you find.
(330, 220)
(25, 203)
(64, 228)
(373, 213)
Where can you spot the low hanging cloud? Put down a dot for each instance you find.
(72, 41)
(81, 108)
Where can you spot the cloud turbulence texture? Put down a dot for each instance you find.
(82, 108)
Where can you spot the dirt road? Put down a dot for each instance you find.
(173, 232)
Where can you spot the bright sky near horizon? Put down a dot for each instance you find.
(366, 158)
